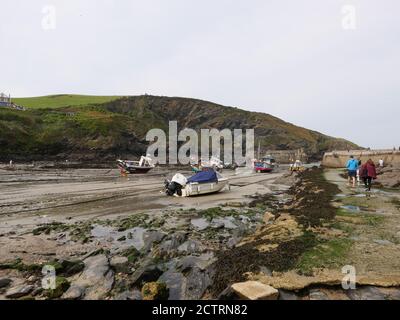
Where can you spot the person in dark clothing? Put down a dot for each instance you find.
(368, 173)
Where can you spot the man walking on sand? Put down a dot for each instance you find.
(352, 166)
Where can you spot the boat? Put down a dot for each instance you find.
(270, 161)
(203, 182)
(262, 167)
(144, 165)
(213, 164)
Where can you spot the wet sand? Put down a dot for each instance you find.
(29, 197)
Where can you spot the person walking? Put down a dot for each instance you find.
(358, 172)
(352, 166)
(368, 173)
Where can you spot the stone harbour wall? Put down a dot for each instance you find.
(338, 159)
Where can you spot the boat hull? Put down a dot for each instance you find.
(197, 189)
(135, 169)
(138, 170)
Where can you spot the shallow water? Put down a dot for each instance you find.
(351, 208)
(134, 237)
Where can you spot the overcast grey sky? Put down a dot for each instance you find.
(294, 59)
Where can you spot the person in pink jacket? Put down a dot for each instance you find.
(368, 173)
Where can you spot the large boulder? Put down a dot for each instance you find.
(97, 279)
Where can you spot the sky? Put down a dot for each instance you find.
(331, 66)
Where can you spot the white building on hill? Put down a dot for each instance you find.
(5, 101)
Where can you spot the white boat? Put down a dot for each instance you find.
(144, 165)
(205, 182)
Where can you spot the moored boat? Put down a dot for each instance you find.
(262, 167)
(144, 165)
(203, 182)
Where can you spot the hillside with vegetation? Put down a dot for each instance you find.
(104, 128)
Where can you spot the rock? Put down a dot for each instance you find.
(191, 246)
(5, 282)
(217, 224)
(19, 291)
(200, 224)
(315, 294)
(170, 246)
(37, 291)
(266, 271)
(97, 278)
(197, 283)
(155, 291)
(232, 242)
(383, 242)
(147, 272)
(394, 295)
(73, 293)
(366, 293)
(228, 223)
(152, 237)
(129, 295)
(268, 217)
(254, 290)
(131, 253)
(202, 262)
(287, 295)
(70, 268)
(62, 285)
(227, 294)
(176, 283)
(120, 264)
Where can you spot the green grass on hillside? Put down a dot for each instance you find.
(63, 100)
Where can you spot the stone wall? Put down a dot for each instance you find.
(287, 156)
(338, 159)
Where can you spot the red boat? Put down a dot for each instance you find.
(262, 167)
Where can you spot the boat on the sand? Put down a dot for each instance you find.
(203, 182)
(144, 165)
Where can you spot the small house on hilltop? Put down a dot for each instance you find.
(5, 101)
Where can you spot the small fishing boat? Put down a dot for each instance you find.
(203, 182)
(262, 167)
(270, 161)
(213, 164)
(144, 165)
